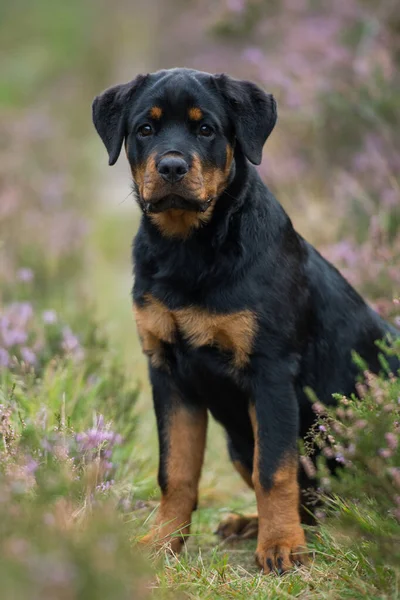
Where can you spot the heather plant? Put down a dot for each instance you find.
(28, 340)
(62, 533)
(361, 499)
(45, 555)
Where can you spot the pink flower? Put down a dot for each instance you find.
(25, 275)
(385, 452)
(49, 317)
(340, 458)
(253, 55)
(319, 408)
(71, 345)
(4, 358)
(14, 337)
(395, 473)
(28, 356)
(236, 6)
(391, 440)
(308, 466)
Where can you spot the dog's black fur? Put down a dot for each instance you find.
(245, 257)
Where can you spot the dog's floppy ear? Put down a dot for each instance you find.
(253, 113)
(109, 115)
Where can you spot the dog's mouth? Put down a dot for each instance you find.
(173, 201)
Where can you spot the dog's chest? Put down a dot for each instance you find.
(158, 325)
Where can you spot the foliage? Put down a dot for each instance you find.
(362, 499)
(61, 535)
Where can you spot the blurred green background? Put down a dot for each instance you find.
(72, 375)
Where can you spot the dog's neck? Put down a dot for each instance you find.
(221, 252)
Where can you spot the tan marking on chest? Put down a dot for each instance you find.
(232, 332)
(155, 325)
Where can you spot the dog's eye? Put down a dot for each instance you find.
(145, 130)
(205, 130)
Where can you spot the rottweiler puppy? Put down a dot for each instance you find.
(236, 312)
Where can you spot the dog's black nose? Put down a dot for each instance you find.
(172, 168)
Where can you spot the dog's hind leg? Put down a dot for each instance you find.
(242, 455)
(237, 526)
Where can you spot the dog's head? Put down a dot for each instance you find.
(180, 128)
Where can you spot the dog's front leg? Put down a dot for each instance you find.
(182, 431)
(274, 416)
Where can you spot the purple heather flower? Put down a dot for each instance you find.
(390, 197)
(395, 473)
(318, 408)
(320, 515)
(236, 6)
(31, 466)
(308, 466)
(21, 311)
(71, 345)
(93, 438)
(385, 452)
(4, 358)
(391, 440)
(253, 55)
(105, 486)
(49, 317)
(14, 337)
(28, 356)
(70, 341)
(328, 452)
(26, 275)
(322, 427)
(340, 459)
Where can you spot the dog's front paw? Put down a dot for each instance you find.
(281, 553)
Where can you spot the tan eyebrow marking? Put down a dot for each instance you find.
(156, 112)
(195, 114)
